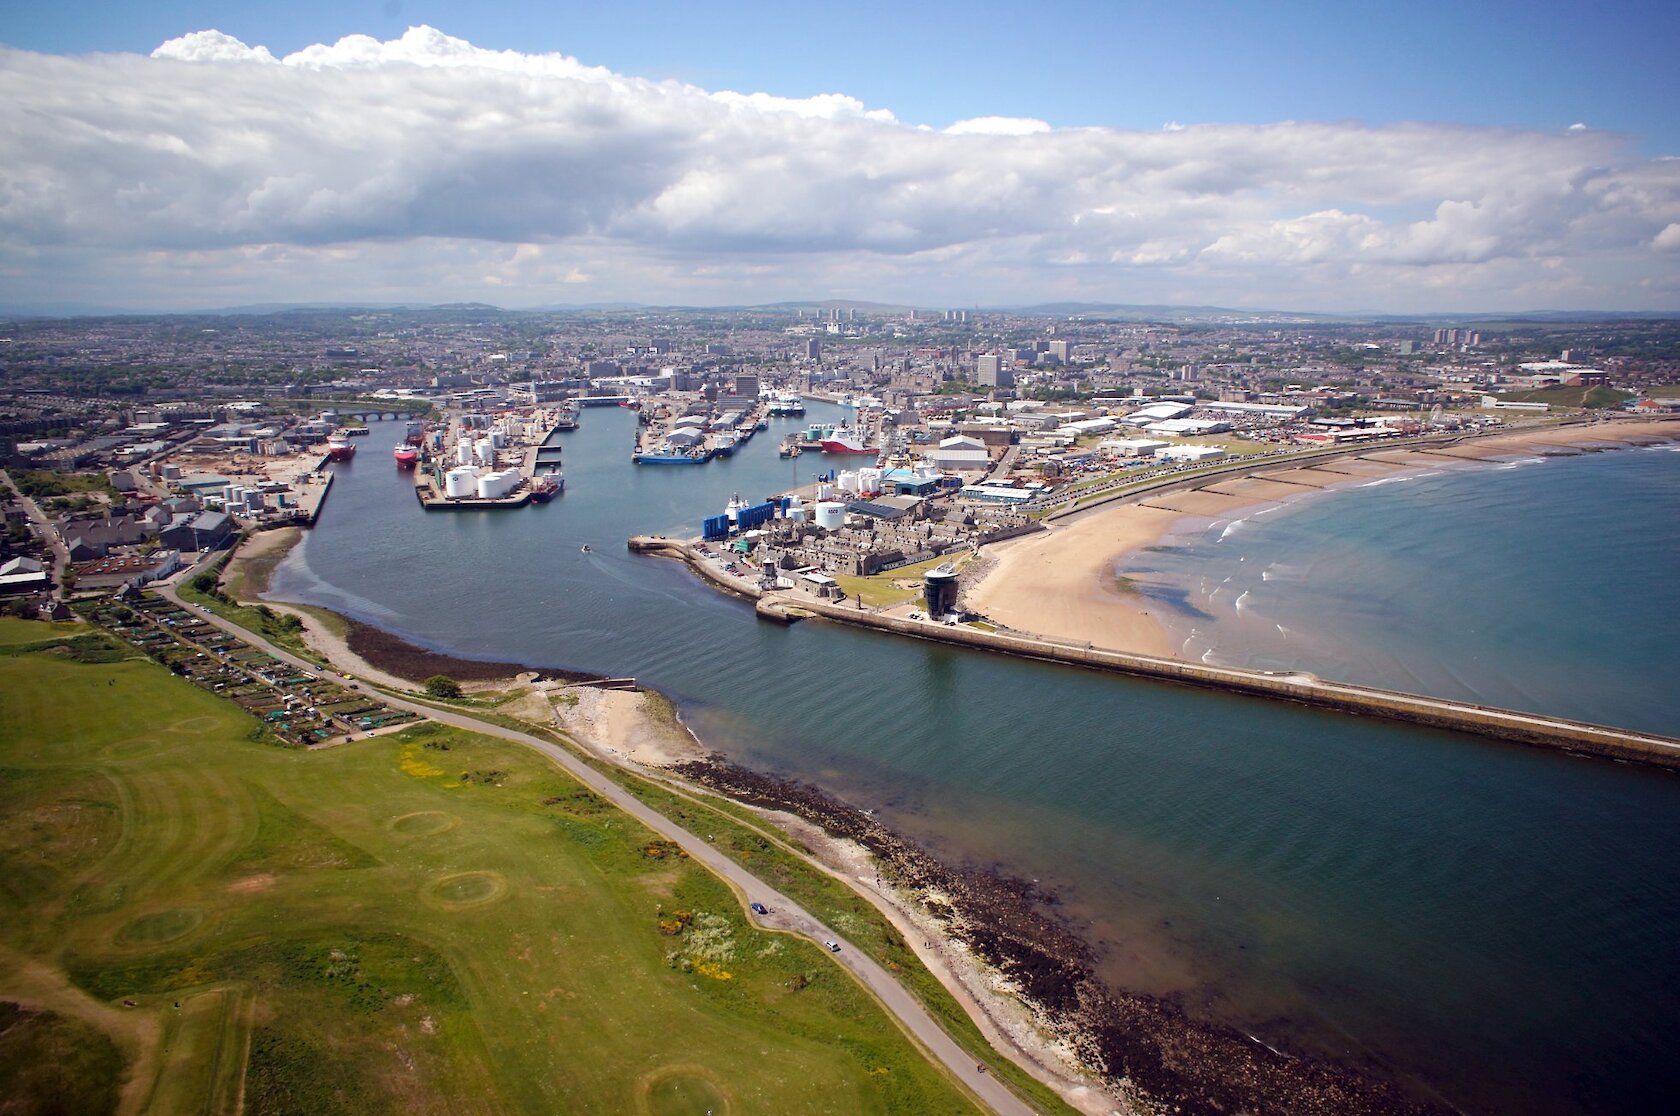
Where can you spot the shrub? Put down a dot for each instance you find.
(442, 686)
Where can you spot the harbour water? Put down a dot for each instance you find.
(1498, 923)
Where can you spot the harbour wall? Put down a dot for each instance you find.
(1302, 688)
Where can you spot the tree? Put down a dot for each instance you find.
(442, 686)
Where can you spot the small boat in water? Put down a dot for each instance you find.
(407, 456)
(584, 548)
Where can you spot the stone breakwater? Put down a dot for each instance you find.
(1533, 729)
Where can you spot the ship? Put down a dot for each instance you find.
(415, 434)
(567, 419)
(669, 456)
(787, 403)
(547, 486)
(725, 443)
(340, 447)
(846, 440)
(407, 456)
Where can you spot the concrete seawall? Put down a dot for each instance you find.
(1306, 689)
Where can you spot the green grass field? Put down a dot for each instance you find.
(427, 921)
(881, 590)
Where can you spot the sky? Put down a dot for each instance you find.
(1306, 156)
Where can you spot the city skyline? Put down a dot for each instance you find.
(211, 170)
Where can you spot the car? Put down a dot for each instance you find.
(833, 946)
(759, 909)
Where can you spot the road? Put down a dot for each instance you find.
(785, 914)
(43, 529)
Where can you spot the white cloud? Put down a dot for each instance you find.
(998, 126)
(425, 161)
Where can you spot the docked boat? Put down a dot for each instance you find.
(547, 486)
(340, 447)
(407, 456)
(673, 457)
(725, 443)
(846, 440)
(787, 403)
(415, 434)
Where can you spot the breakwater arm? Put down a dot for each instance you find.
(1535, 729)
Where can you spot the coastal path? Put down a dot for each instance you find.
(785, 914)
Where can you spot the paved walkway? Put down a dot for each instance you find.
(785, 914)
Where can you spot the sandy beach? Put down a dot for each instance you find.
(1061, 584)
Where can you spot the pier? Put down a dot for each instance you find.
(1535, 729)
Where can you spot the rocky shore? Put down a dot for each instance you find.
(1148, 1049)
(397, 656)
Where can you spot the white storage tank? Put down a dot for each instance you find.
(847, 481)
(796, 510)
(825, 491)
(463, 452)
(497, 439)
(493, 486)
(869, 482)
(459, 482)
(485, 452)
(831, 516)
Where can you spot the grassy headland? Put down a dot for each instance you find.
(430, 920)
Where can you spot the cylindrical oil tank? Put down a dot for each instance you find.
(831, 516)
(460, 482)
(463, 452)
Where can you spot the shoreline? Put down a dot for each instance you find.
(998, 946)
(1124, 1028)
(1150, 1051)
(364, 649)
(1064, 583)
(620, 727)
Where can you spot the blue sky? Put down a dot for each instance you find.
(1312, 156)
(1538, 64)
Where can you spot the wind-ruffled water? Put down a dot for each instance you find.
(1541, 584)
(1500, 923)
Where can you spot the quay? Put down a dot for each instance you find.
(439, 487)
(1535, 729)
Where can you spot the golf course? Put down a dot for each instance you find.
(194, 918)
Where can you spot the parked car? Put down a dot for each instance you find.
(833, 946)
(759, 909)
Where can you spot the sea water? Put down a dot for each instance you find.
(1499, 924)
(1538, 583)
